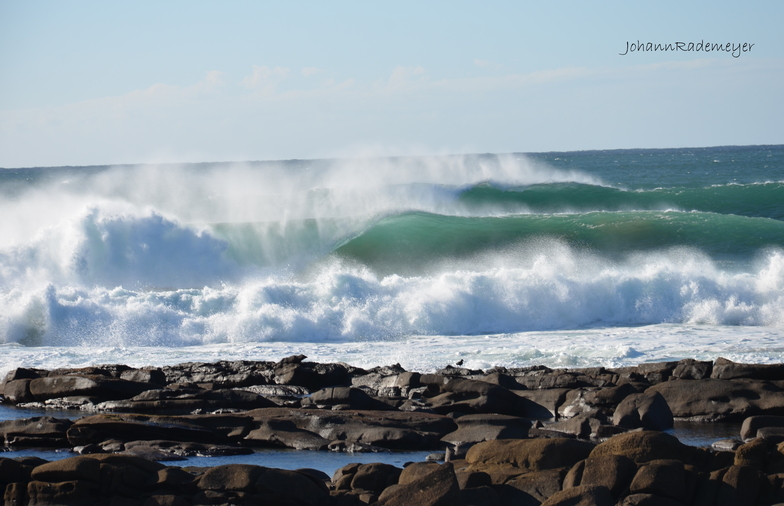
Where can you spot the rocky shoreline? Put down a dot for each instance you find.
(525, 436)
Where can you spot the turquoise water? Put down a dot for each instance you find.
(626, 249)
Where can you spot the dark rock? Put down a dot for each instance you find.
(222, 374)
(610, 396)
(740, 486)
(471, 479)
(665, 478)
(773, 435)
(645, 446)
(155, 376)
(753, 423)
(438, 488)
(647, 410)
(584, 425)
(716, 399)
(386, 429)
(235, 477)
(375, 477)
(177, 450)
(183, 401)
(352, 398)
(479, 496)
(278, 486)
(415, 471)
(280, 432)
(99, 386)
(539, 485)
(504, 380)
(612, 471)
(312, 375)
(485, 427)
(12, 471)
(527, 454)
(725, 369)
(17, 391)
(584, 495)
(37, 431)
(753, 454)
(693, 369)
(648, 500)
(545, 403)
(129, 427)
(75, 468)
(69, 492)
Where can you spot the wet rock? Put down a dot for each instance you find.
(647, 410)
(187, 400)
(176, 450)
(130, 427)
(43, 431)
(97, 386)
(279, 432)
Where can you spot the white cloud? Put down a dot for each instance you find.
(309, 71)
(265, 78)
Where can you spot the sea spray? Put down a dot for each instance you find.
(322, 256)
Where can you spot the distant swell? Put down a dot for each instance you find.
(752, 200)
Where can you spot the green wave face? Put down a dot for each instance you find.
(752, 200)
(408, 243)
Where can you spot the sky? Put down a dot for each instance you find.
(94, 83)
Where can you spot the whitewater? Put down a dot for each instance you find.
(564, 259)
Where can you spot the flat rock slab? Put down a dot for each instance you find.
(714, 399)
(385, 429)
(134, 427)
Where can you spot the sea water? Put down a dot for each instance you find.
(564, 259)
(578, 259)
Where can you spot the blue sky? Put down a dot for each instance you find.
(107, 82)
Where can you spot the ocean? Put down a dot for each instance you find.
(573, 259)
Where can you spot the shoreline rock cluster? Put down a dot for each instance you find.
(509, 435)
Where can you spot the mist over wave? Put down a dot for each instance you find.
(375, 249)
